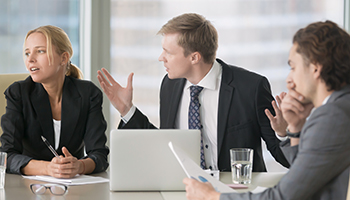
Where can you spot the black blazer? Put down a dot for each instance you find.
(28, 117)
(242, 122)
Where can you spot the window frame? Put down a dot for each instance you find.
(95, 44)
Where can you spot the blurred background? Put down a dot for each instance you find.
(120, 35)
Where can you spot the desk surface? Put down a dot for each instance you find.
(17, 187)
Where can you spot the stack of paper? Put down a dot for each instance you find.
(77, 180)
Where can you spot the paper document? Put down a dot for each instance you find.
(192, 170)
(259, 189)
(77, 180)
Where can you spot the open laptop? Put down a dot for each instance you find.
(140, 159)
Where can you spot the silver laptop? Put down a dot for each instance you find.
(141, 160)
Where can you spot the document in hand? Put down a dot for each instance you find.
(77, 180)
(192, 170)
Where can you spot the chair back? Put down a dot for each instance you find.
(5, 81)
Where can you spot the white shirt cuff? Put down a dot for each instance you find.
(281, 138)
(128, 115)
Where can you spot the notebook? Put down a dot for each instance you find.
(140, 159)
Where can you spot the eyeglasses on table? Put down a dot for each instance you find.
(55, 189)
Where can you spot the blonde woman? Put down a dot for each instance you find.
(55, 103)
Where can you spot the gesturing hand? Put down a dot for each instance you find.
(278, 123)
(120, 97)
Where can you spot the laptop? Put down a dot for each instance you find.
(141, 160)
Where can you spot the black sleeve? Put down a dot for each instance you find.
(95, 138)
(137, 121)
(263, 100)
(12, 124)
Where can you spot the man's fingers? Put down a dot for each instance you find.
(290, 85)
(279, 100)
(292, 100)
(130, 78)
(282, 95)
(291, 107)
(296, 95)
(104, 88)
(276, 108)
(109, 76)
(186, 180)
(101, 78)
(269, 115)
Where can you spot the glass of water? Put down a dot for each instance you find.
(241, 165)
(3, 161)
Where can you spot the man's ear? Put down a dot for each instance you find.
(316, 69)
(195, 57)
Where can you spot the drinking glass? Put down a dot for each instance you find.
(241, 165)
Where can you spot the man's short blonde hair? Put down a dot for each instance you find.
(196, 35)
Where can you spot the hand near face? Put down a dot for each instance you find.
(120, 97)
(295, 109)
(196, 190)
(278, 123)
(64, 167)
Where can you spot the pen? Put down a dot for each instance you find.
(49, 146)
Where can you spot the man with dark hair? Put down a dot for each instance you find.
(318, 148)
(231, 101)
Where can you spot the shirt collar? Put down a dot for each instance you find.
(326, 99)
(210, 80)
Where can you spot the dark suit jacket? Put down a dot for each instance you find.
(321, 162)
(28, 117)
(242, 123)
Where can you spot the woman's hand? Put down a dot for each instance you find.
(65, 167)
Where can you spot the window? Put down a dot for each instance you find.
(17, 17)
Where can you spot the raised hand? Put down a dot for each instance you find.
(278, 123)
(120, 97)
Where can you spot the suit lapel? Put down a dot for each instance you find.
(71, 104)
(174, 103)
(225, 98)
(41, 105)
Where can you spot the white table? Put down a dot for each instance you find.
(17, 187)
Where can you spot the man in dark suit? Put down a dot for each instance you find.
(232, 101)
(318, 148)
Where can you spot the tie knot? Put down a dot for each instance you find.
(195, 90)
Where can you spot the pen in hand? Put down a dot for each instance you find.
(49, 146)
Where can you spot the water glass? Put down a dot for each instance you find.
(241, 165)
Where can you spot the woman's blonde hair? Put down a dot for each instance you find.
(56, 37)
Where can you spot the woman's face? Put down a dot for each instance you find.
(41, 69)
